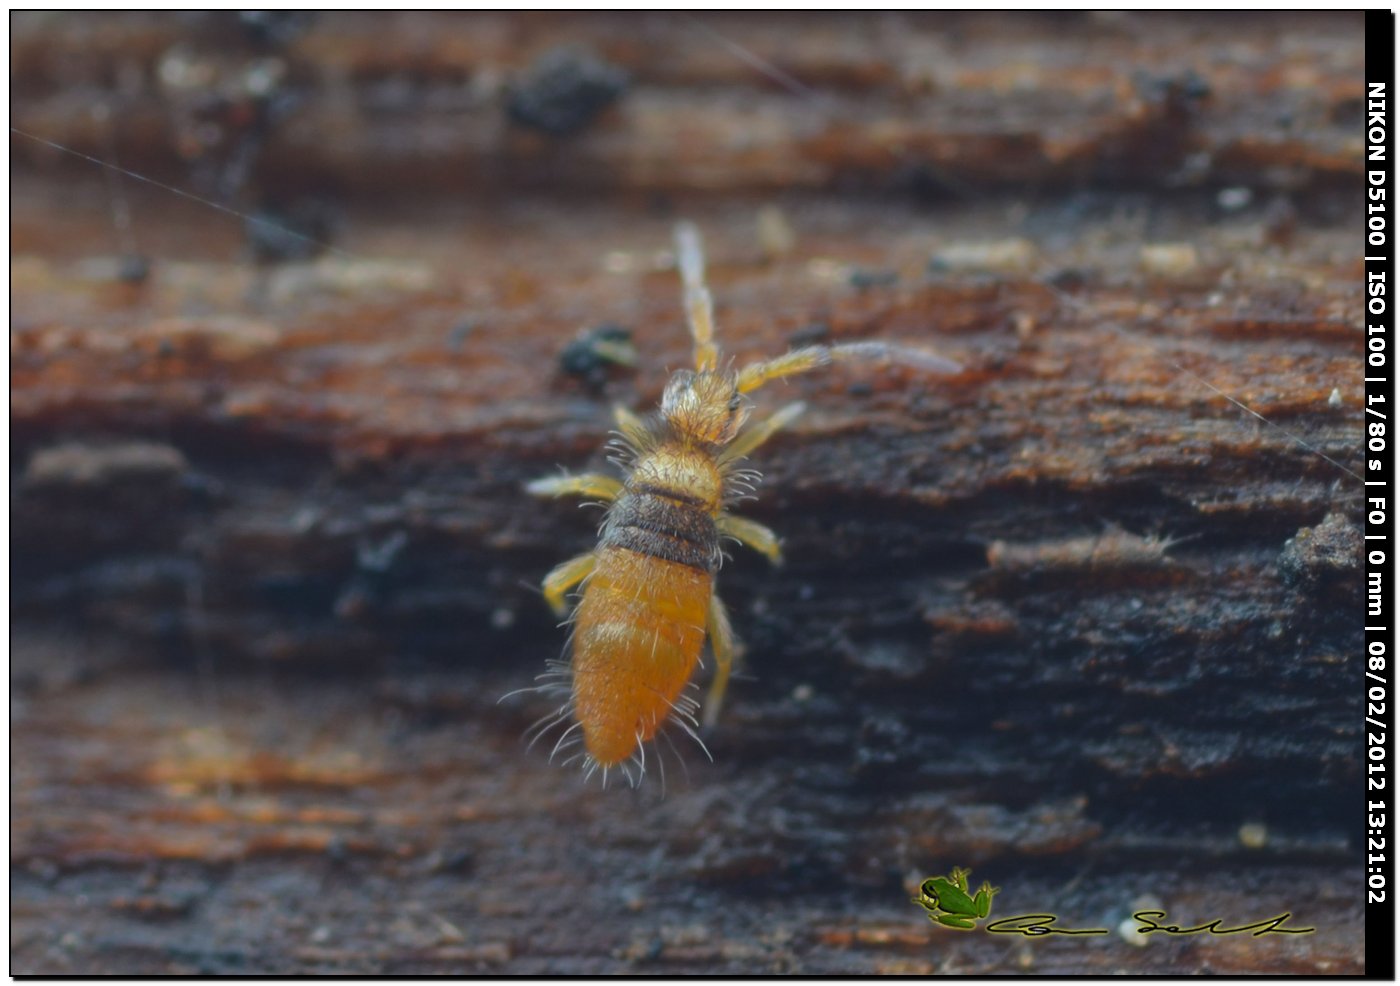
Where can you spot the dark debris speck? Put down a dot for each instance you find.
(1324, 558)
(564, 91)
(299, 232)
(274, 28)
(133, 268)
(810, 335)
(864, 280)
(596, 352)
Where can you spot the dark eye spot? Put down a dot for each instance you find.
(734, 403)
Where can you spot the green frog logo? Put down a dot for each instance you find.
(947, 900)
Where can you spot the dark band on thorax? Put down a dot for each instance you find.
(680, 496)
(662, 526)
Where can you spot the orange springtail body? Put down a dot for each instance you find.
(649, 587)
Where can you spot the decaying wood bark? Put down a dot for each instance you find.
(1071, 618)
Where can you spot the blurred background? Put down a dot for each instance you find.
(300, 301)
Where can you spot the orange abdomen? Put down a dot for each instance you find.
(637, 639)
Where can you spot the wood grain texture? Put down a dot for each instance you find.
(1071, 618)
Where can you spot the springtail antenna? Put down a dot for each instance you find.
(690, 256)
(813, 357)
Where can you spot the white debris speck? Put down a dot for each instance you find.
(1254, 835)
(1168, 259)
(775, 235)
(1003, 256)
(1233, 199)
(1128, 927)
(619, 262)
(822, 269)
(1128, 931)
(75, 464)
(1335, 399)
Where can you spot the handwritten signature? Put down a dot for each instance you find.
(1035, 925)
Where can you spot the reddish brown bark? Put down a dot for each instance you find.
(1071, 617)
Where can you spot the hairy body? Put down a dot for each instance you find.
(648, 588)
